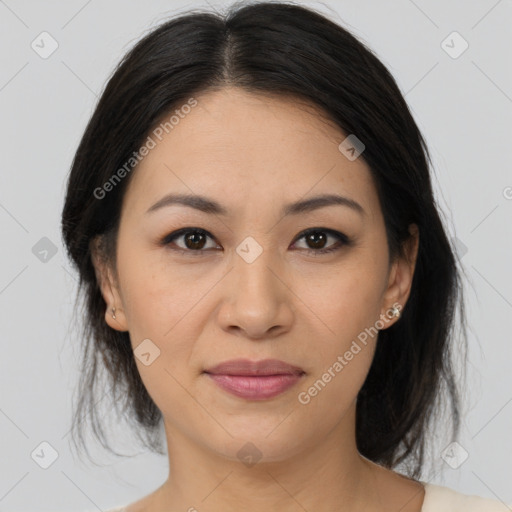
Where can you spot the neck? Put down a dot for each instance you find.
(327, 474)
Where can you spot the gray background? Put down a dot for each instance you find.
(462, 105)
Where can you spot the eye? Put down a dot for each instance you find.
(193, 239)
(317, 237)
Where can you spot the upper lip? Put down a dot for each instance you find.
(247, 367)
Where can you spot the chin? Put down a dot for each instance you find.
(269, 441)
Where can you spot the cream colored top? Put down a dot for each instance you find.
(443, 499)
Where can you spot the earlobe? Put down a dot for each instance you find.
(115, 318)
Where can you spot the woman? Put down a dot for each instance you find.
(264, 269)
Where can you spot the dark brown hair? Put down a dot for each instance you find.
(288, 50)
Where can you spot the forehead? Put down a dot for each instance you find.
(241, 148)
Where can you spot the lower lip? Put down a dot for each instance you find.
(255, 387)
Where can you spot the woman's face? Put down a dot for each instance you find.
(253, 286)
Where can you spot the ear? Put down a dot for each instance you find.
(401, 276)
(108, 286)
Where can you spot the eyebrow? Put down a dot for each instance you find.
(210, 206)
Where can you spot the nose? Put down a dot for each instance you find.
(258, 302)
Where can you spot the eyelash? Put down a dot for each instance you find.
(343, 240)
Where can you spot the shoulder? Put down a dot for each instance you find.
(443, 499)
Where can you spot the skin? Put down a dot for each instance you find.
(254, 154)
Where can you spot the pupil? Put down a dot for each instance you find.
(313, 237)
(194, 242)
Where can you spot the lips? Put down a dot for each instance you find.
(255, 380)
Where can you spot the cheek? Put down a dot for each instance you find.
(161, 302)
(347, 299)
(346, 305)
(154, 295)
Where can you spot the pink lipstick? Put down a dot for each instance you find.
(255, 380)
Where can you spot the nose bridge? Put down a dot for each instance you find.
(257, 301)
(253, 264)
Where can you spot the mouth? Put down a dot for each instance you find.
(255, 380)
